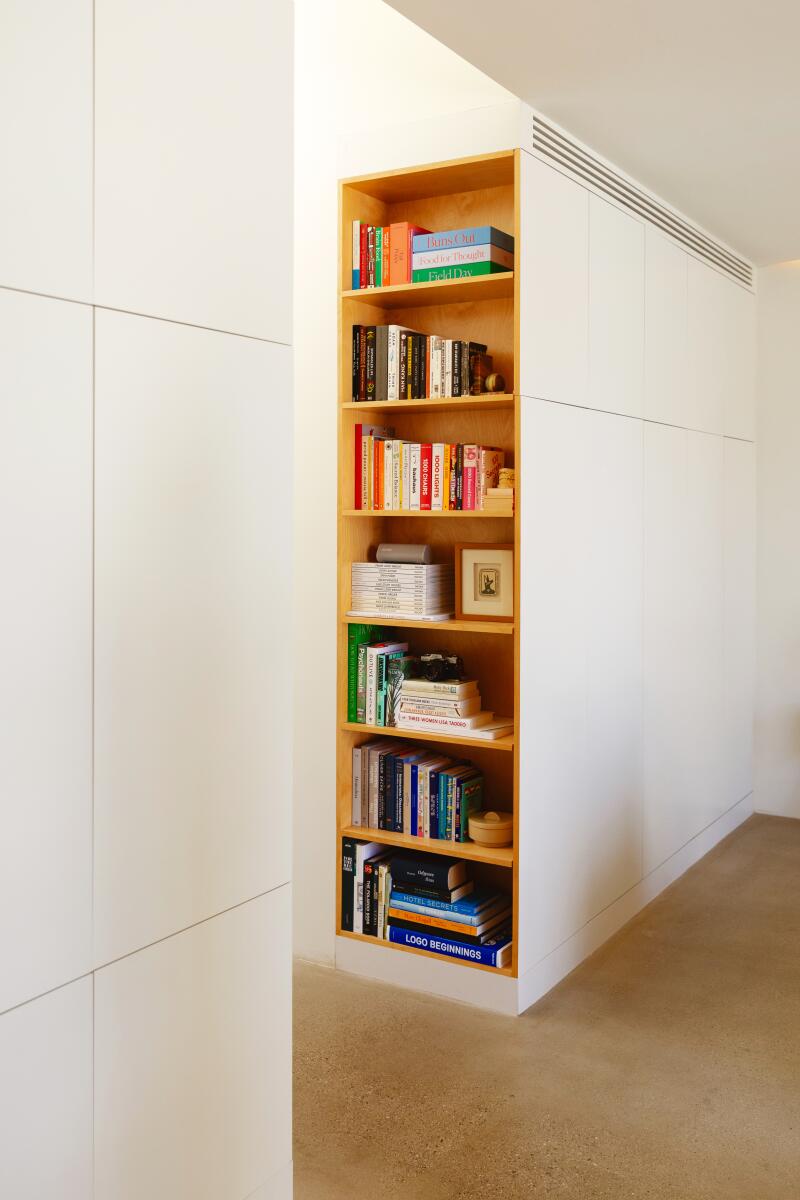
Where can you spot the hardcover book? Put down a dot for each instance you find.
(494, 953)
(475, 235)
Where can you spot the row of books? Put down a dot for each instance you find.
(423, 591)
(401, 253)
(394, 474)
(373, 681)
(426, 901)
(403, 788)
(392, 362)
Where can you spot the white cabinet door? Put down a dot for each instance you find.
(193, 1060)
(683, 638)
(45, 644)
(46, 1097)
(193, 620)
(193, 162)
(739, 364)
(580, 669)
(616, 310)
(708, 348)
(554, 292)
(46, 147)
(666, 379)
(739, 615)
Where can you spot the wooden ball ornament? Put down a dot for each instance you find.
(495, 382)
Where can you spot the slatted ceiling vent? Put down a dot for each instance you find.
(553, 144)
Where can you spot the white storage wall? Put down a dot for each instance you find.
(638, 566)
(145, 476)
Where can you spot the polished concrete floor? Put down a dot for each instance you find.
(666, 1067)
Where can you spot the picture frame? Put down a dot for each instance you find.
(484, 581)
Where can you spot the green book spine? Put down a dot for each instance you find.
(432, 274)
(471, 801)
(378, 255)
(358, 636)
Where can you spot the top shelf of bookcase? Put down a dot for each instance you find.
(437, 179)
(441, 291)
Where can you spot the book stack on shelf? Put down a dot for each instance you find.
(423, 902)
(391, 362)
(399, 253)
(447, 706)
(461, 253)
(395, 475)
(500, 500)
(400, 788)
(422, 591)
(382, 254)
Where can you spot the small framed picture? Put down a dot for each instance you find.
(484, 581)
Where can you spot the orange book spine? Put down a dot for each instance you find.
(387, 250)
(402, 914)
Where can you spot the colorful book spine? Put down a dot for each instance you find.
(363, 250)
(468, 271)
(378, 255)
(356, 260)
(474, 235)
(492, 954)
(470, 483)
(460, 256)
(426, 454)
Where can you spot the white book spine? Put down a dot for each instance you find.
(370, 688)
(448, 367)
(436, 368)
(415, 491)
(356, 816)
(405, 483)
(437, 476)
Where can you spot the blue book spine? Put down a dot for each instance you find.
(472, 905)
(486, 954)
(356, 279)
(441, 819)
(454, 239)
(462, 918)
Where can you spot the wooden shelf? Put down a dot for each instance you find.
(412, 735)
(488, 627)
(461, 962)
(486, 401)
(402, 513)
(443, 291)
(497, 856)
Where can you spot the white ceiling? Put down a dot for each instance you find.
(699, 101)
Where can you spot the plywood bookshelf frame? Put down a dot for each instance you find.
(481, 190)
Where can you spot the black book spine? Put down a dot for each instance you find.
(421, 873)
(402, 366)
(370, 898)
(459, 476)
(348, 879)
(370, 373)
(356, 357)
(398, 795)
(456, 368)
(388, 785)
(416, 391)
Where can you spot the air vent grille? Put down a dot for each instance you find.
(553, 144)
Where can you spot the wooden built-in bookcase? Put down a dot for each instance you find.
(476, 191)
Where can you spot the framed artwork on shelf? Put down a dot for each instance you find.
(484, 578)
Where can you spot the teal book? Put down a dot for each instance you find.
(382, 684)
(466, 271)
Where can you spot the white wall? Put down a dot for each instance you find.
(424, 92)
(145, 519)
(778, 686)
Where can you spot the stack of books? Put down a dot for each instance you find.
(461, 253)
(416, 591)
(392, 474)
(382, 253)
(448, 706)
(434, 906)
(391, 362)
(366, 887)
(403, 788)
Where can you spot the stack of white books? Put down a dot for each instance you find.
(406, 590)
(448, 706)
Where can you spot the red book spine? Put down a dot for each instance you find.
(425, 462)
(357, 500)
(362, 253)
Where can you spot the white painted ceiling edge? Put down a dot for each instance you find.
(698, 100)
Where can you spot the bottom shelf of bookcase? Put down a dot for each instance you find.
(379, 943)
